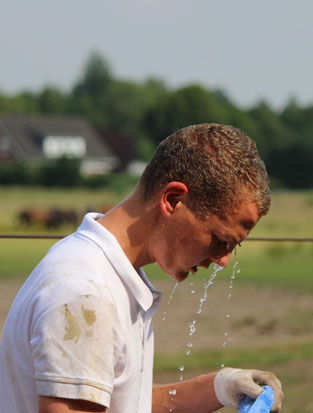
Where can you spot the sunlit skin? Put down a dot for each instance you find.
(166, 231)
(184, 242)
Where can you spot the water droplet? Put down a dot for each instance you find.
(238, 271)
(206, 285)
(229, 339)
(172, 294)
(227, 315)
(181, 368)
(164, 318)
(192, 328)
(222, 366)
(181, 378)
(170, 410)
(225, 334)
(228, 297)
(173, 392)
(231, 286)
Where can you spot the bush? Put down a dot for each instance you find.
(62, 172)
(118, 183)
(65, 172)
(17, 173)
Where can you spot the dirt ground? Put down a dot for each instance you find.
(252, 318)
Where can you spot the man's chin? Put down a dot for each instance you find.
(177, 275)
(180, 276)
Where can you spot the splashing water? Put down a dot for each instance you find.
(192, 325)
(207, 284)
(235, 271)
(170, 300)
(172, 294)
(233, 275)
(188, 351)
(210, 281)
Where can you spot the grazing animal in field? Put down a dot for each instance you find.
(48, 218)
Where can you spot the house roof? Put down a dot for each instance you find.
(27, 134)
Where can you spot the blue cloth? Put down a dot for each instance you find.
(262, 404)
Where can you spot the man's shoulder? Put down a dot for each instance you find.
(74, 252)
(72, 267)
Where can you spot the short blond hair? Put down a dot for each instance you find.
(219, 164)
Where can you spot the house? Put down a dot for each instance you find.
(33, 139)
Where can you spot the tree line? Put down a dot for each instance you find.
(149, 111)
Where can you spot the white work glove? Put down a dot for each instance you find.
(233, 385)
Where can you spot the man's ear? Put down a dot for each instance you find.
(172, 194)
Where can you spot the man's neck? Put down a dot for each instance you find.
(131, 223)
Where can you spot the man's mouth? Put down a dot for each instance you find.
(195, 268)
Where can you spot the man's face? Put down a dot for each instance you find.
(187, 243)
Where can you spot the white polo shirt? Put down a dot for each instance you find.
(80, 328)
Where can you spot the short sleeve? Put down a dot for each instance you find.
(75, 345)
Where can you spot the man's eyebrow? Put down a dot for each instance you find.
(247, 224)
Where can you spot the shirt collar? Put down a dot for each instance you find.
(140, 286)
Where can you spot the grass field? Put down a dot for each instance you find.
(16, 199)
(282, 265)
(271, 308)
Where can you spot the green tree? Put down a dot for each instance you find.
(24, 103)
(90, 95)
(186, 106)
(52, 101)
(95, 80)
(299, 120)
(271, 132)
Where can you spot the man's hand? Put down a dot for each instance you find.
(232, 385)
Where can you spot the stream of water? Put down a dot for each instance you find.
(227, 338)
(170, 300)
(192, 326)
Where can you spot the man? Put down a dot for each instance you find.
(79, 335)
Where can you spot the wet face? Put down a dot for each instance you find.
(186, 243)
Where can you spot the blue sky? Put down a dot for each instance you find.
(252, 49)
